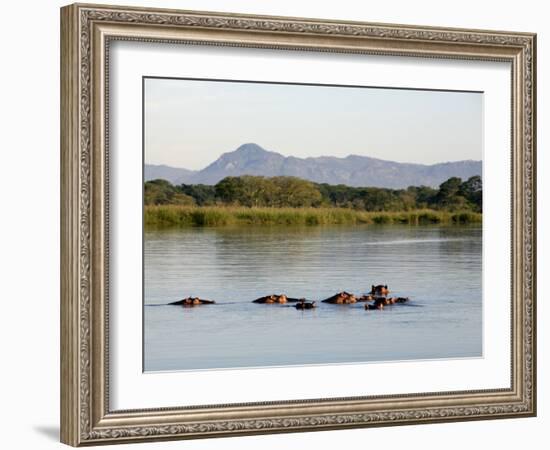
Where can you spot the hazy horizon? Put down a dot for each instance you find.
(320, 156)
(191, 123)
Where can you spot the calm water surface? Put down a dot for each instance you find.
(438, 267)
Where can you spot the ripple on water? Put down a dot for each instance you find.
(438, 267)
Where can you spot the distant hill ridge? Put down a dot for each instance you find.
(353, 170)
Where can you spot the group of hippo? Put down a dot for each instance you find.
(376, 299)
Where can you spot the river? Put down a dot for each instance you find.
(438, 267)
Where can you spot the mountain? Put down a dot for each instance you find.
(173, 174)
(353, 170)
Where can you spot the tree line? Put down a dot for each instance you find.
(453, 194)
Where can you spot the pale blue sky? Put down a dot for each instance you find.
(190, 123)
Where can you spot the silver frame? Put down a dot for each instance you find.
(86, 32)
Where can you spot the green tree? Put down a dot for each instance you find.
(472, 190)
(425, 196)
(228, 190)
(449, 196)
(204, 195)
(162, 192)
(258, 191)
(295, 192)
(407, 199)
(247, 190)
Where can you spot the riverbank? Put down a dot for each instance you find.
(193, 216)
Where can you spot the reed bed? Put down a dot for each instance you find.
(216, 216)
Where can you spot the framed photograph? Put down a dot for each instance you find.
(275, 224)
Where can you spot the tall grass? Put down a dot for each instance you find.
(215, 216)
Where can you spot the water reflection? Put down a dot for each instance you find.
(438, 267)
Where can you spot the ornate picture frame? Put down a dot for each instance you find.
(87, 32)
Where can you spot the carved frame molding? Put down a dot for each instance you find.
(86, 31)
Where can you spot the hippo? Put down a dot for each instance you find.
(273, 298)
(394, 300)
(381, 289)
(379, 303)
(267, 299)
(282, 298)
(302, 304)
(192, 301)
(341, 298)
(376, 306)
